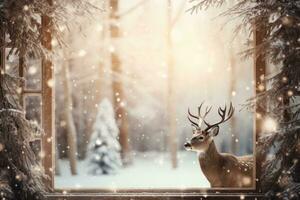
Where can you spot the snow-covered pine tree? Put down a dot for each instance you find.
(104, 147)
(21, 176)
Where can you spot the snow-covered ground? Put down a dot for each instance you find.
(149, 171)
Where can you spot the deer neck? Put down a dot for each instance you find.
(210, 157)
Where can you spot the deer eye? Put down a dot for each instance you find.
(201, 137)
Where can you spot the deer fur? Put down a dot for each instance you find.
(220, 169)
(226, 170)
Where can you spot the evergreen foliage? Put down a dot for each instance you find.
(21, 20)
(21, 176)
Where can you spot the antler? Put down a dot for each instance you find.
(224, 116)
(193, 123)
(200, 118)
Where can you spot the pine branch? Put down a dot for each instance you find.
(204, 5)
(5, 189)
(21, 21)
(20, 172)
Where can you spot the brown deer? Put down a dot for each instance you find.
(221, 169)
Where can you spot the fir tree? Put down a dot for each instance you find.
(104, 146)
(21, 176)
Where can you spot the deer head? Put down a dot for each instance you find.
(202, 137)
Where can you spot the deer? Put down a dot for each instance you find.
(221, 169)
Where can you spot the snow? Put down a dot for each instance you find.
(151, 170)
(104, 147)
(12, 110)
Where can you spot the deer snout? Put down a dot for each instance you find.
(188, 146)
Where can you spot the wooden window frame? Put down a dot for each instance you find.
(88, 194)
(2, 50)
(48, 140)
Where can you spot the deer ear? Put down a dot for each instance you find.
(214, 131)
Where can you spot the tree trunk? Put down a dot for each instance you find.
(172, 137)
(232, 90)
(57, 166)
(71, 130)
(2, 66)
(117, 86)
(2, 62)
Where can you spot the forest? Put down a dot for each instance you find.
(126, 76)
(112, 74)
